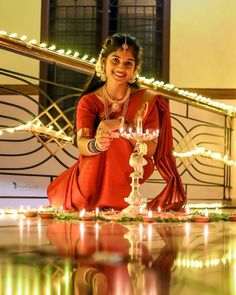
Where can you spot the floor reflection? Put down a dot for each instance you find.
(57, 257)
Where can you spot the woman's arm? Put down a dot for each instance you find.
(102, 140)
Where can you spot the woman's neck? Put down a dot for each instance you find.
(117, 92)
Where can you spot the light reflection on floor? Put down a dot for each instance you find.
(57, 257)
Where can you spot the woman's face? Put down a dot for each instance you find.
(120, 66)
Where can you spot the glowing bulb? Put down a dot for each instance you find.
(68, 52)
(52, 47)
(13, 35)
(76, 54)
(33, 41)
(23, 38)
(85, 57)
(61, 51)
(43, 45)
(49, 128)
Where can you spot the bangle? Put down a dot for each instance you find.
(93, 148)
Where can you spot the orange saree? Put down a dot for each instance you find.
(103, 180)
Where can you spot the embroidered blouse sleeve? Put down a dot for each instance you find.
(87, 116)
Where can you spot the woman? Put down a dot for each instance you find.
(113, 99)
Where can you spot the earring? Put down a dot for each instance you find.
(99, 68)
(133, 79)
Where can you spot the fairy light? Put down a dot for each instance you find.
(205, 205)
(33, 41)
(194, 96)
(92, 60)
(61, 51)
(68, 52)
(10, 130)
(23, 38)
(49, 128)
(201, 151)
(13, 35)
(207, 154)
(76, 54)
(52, 47)
(84, 57)
(43, 45)
(151, 81)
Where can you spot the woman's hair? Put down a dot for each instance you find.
(111, 44)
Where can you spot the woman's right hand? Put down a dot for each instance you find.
(104, 132)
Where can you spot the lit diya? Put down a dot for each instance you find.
(149, 217)
(87, 216)
(31, 213)
(201, 218)
(46, 214)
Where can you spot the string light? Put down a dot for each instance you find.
(38, 128)
(231, 110)
(207, 154)
(201, 151)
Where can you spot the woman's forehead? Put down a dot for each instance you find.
(123, 54)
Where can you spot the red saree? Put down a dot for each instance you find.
(103, 180)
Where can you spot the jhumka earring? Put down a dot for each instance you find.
(99, 68)
(133, 78)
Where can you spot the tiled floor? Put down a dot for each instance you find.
(56, 257)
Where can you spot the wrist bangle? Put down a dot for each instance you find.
(93, 148)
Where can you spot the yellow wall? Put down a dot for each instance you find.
(203, 43)
(23, 18)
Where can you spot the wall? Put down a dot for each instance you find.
(23, 18)
(203, 44)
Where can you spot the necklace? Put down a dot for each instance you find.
(125, 107)
(115, 103)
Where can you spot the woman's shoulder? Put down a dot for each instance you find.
(91, 97)
(149, 95)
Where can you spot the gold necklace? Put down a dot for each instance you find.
(115, 103)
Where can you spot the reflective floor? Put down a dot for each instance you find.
(40, 256)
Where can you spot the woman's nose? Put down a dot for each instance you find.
(121, 65)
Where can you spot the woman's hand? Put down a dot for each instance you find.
(104, 132)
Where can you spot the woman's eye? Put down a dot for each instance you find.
(115, 60)
(128, 64)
